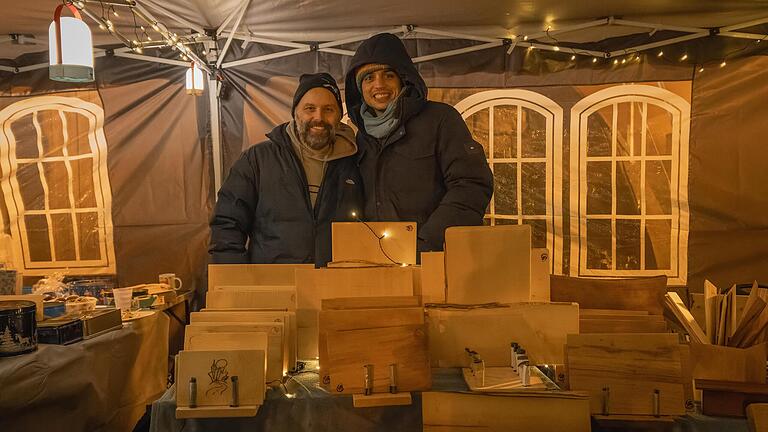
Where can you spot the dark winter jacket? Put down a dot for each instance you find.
(264, 214)
(429, 169)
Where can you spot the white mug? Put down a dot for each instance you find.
(170, 279)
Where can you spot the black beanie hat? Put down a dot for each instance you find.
(309, 81)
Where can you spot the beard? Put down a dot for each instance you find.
(314, 139)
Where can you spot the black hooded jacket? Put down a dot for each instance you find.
(429, 169)
(264, 213)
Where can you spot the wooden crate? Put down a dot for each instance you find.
(642, 294)
(541, 329)
(632, 367)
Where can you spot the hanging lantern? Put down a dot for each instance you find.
(195, 80)
(70, 48)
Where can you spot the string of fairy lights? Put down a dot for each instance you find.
(149, 33)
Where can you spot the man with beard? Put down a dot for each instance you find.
(417, 158)
(278, 202)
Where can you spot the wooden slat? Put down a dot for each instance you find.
(621, 326)
(727, 398)
(710, 310)
(677, 307)
(253, 274)
(488, 264)
(370, 302)
(713, 362)
(632, 366)
(640, 294)
(433, 277)
(540, 271)
(274, 298)
(541, 328)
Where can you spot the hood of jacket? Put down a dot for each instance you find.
(386, 49)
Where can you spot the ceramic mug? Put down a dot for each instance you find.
(170, 279)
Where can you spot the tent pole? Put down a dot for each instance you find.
(249, 38)
(744, 25)
(173, 16)
(243, 8)
(152, 59)
(266, 57)
(458, 51)
(337, 51)
(213, 100)
(659, 44)
(8, 69)
(571, 28)
(640, 24)
(741, 35)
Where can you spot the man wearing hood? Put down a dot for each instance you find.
(417, 157)
(278, 202)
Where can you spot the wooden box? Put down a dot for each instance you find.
(540, 328)
(377, 331)
(629, 369)
(313, 285)
(253, 274)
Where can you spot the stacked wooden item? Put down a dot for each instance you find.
(243, 340)
(728, 356)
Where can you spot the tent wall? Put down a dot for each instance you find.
(158, 164)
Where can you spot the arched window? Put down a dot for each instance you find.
(629, 183)
(521, 132)
(53, 155)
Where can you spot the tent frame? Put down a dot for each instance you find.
(133, 50)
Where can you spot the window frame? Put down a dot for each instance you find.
(101, 185)
(553, 115)
(681, 112)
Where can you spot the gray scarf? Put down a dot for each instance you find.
(383, 124)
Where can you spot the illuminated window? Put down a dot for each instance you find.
(629, 183)
(53, 155)
(521, 132)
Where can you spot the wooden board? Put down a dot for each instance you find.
(37, 299)
(675, 304)
(728, 398)
(632, 366)
(277, 348)
(541, 328)
(622, 326)
(231, 316)
(619, 313)
(499, 380)
(313, 285)
(643, 294)
(757, 415)
(210, 369)
(486, 264)
(713, 362)
(370, 302)
(274, 297)
(253, 274)
(710, 310)
(350, 350)
(354, 241)
(532, 412)
(698, 307)
(381, 399)
(433, 277)
(540, 271)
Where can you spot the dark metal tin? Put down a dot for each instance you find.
(18, 327)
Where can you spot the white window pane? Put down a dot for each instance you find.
(628, 188)
(88, 233)
(77, 131)
(32, 194)
(478, 125)
(505, 188)
(37, 235)
(505, 131)
(51, 132)
(82, 183)
(599, 126)
(657, 187)
(599, 188)
(24, 133)
(534, 134)
(599, 249)
(659, 133)
(658, 235)
(63, 237)
(627, 244)
(534, 188)
(57, 179)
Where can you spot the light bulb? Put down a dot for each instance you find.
(556, 48)
(594, 60)
(684, 57)
(722, 64)
(661, 53)
(573, 57)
